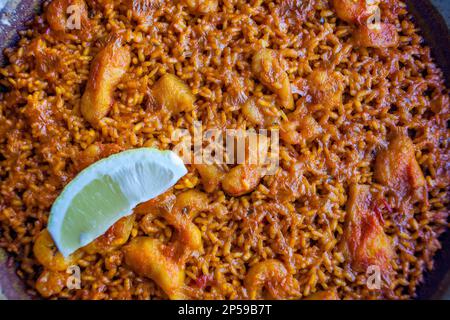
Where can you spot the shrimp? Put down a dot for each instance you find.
(173, 95)
(241, 180)
(56, 15)
(201, 6)
(255, 114)
(211, 176)
(323, 295)
(383, 35)
(354, 11)
(50, 283)
(107, 69)
(397, 168)
(116, 236)
(150, 258)
(267, 67)
(47, 253)
(273, 276)
(326, 87)
(365, 242)
(296, 131)
(165, 263)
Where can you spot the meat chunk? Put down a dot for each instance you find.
(267, 67)
(381, 35)
(397, 168)
(107, 69)
(354, 11)
(326, 87)
(173, 95)
(364, 241)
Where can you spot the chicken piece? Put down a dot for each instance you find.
(397, 168)
(173, 95)
(267, 67)
(382, 35)
(355, 11)
(323, 295)
(47, 253)
(62, 16)
(296, 131)
(273, 276)
(211, 176)
(116, 236)
(255, 115)
(148, 257)
(326, 87)
(107, 69)
(364, 242)
(201, 6)
(50, 283)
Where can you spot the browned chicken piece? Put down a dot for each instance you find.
(296, 131)
(116, 236)
(107, 69)
(364, 241)
(323, 295)
(59, 12)
(267, 67)
(93, 153)
(211, 176)
(255, 115)
(50, 283)
(382, 35)
(325, 87)
(173, 95)
(272, 276)
(397, 168)
(201, 6)
(354, 11)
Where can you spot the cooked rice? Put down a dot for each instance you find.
(42, 132)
